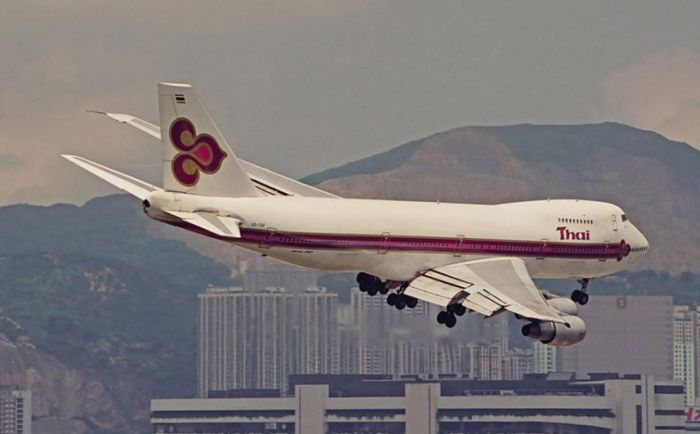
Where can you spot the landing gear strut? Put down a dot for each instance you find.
(580, 296)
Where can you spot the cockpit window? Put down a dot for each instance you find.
(624, 218)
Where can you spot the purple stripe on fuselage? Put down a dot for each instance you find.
(269, 238)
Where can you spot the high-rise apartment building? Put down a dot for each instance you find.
(389, 341)
(255, 340)
(544, 358)
(314, 328)
(685, 351)
(518, 362)
(260, 274)
(15, 411)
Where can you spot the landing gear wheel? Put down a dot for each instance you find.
(459, 310)
(446, 318)
(369, 284)
(383, 289)
(583, 299)
(391, 299)
(579, 297)
(411, 302)
(400, 302)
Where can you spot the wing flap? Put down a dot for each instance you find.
(429, 292)
(485, 286)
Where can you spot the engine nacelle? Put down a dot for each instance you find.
(564, 305)
(556, 334)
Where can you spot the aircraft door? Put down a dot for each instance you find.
(269, 238)
(384, 240)
(614, 222)
(459, 246)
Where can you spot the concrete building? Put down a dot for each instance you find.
(255, 340)
(555, 403)
(314, 328)
(258, 274)
(685, 351)
(632, 334)
(545, 358)
(15, 411)
(517, 363)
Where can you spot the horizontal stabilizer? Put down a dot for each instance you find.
(146, 127)
(218, 225)
(120, 180)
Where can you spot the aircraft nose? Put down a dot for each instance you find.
(645, 242)
(641, 244)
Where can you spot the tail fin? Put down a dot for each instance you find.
(196, 157)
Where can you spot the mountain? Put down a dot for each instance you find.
(655, 180)
(97, 313)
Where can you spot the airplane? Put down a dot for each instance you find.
(460, 257)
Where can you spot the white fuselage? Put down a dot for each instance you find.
(397, 240)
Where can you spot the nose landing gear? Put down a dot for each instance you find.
(580, 296)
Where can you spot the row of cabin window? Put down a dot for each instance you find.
(576, 221)
(522, 248)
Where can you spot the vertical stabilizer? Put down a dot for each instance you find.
(196, 157)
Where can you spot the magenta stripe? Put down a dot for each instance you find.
(416, 244)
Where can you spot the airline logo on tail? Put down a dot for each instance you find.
(196, 152)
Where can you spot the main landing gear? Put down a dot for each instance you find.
(580, 296)
(373, 285)
(449, 316)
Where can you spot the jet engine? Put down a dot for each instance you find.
(564, 305)
(557, 334)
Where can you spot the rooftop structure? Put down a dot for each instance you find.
(605, 403)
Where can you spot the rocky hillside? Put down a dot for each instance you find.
(97, 316)
(656, 180)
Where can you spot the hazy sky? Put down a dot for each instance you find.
(301, 86)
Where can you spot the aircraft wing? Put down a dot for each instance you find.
(266, 181)
(486, 286)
